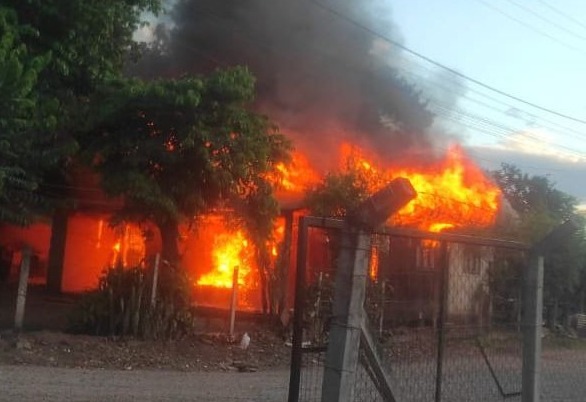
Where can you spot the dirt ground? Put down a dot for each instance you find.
(53, 384)
(43, 342)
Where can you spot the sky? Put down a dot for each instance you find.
(533, 50)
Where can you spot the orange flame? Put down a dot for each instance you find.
(230, 250)
(294, 177)
(277, 237)
(452, 193)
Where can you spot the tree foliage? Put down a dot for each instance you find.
(20, 160)
(54, 54)
(540, 205)
(339, 192)
(89, 39)
(174, 149)
(541, 208)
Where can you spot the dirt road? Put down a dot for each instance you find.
(33, 383)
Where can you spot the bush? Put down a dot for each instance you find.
(121, 305)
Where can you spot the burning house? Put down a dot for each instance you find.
(452, 193)
(336, 107)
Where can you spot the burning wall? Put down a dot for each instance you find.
(12, 240)
(92, 245)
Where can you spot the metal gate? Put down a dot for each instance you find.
(443, 314)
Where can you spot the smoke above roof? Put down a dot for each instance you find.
(321, 76)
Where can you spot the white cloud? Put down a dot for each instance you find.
(540, 143)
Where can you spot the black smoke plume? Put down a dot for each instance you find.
(319, 76)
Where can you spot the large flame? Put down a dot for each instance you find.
(295, 177)
(231, 250)
(451, 193)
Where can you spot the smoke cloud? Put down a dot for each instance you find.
(320, 77)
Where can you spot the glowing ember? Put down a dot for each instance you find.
(373, 264)
(230, 250)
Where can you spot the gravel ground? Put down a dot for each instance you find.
(36, 383)
(563, 380)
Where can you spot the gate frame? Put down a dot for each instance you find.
(530, 363)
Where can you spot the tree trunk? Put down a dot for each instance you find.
(169, 235)
(57, 250)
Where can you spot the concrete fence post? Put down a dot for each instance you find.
(532, 323)
(347, 310)
(22, 288)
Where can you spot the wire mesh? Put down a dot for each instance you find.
(448, 325)
(312, 374)
(365, 389)
(446, 319)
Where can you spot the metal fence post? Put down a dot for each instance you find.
(533, 312)
(296, 352)
(347, 310)
(443, 312)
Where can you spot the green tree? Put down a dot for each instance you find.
(338, 193)
(542, 207)
(90, 39)
(54, 54)
(539, 204)
(342, 190)
(21, 161)
(175, 149)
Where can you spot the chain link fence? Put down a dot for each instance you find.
(445, 313)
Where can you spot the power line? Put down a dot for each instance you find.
(530, 27)
(474, 122)
(563, 14)
(491, 128)
(574, 133)
(356, 69)
(440, 65)
(546, 20)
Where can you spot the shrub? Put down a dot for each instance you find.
(121, 305)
